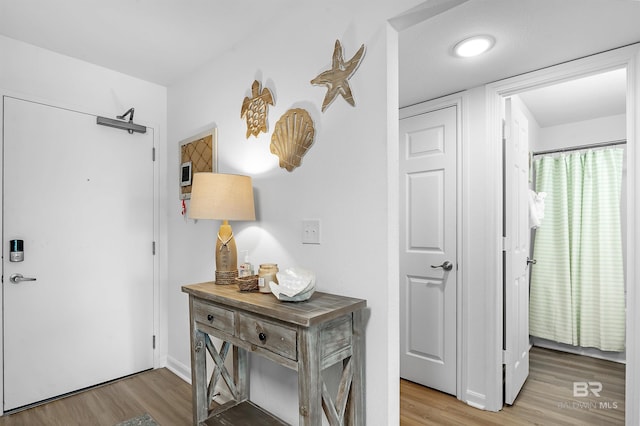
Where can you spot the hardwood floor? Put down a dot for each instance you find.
(546, 398)
(162, 394)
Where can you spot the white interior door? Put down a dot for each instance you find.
(80, 196)
(517, 235)
(428, 249)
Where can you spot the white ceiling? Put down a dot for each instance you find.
(155, 40)
(162, 40)
(530, 35)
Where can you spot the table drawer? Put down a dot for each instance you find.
(213, 316)
(272, 336)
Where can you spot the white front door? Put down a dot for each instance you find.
(516, 237)
(428, 261)
(80, 196)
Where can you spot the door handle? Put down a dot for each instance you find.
(446, 265)
(17, 278)
(531, 261)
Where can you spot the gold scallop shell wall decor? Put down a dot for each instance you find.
(292, 137)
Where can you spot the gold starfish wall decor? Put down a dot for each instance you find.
(255, 109)
(336, 79)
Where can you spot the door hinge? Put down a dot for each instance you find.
(505, 243)
(154, 341)
(505, 357)
(153, 248)
(153, 154)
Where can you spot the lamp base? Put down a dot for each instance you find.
(226, 277)
(226, 256)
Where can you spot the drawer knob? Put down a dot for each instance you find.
(262, 337)
(210, 317)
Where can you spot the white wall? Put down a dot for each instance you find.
(342, 181)
(36, 74)
(602, 129)
(40, 74)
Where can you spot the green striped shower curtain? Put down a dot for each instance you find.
(577, 285)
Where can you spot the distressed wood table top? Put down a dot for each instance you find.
(319, 308)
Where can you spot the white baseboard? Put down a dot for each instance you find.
(476, 400)
(184, 372)
(179, 369)
(619, 357)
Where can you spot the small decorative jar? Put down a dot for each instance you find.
(266, 274)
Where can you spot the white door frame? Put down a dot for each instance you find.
(457, 100)
(157, 361)
(626, 57)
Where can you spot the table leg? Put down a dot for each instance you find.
(356, 399)
(309, 378)
(198, 374)
(241, 373)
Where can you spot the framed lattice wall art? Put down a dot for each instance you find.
(198, 153)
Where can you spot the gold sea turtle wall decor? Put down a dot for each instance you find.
(292, 137)
(255, 109)
(337, 78)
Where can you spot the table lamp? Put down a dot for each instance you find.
(224, 197)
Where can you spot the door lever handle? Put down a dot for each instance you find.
(531, 261)
(17, 278)
(446, 265)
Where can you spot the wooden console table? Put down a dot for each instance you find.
(304, 336)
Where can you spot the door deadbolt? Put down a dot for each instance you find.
(16, 250)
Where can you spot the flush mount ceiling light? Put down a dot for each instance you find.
(473, 46)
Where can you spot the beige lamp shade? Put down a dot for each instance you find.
(221, 196)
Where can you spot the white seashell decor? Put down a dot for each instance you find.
(292, 137)
(294, 285)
